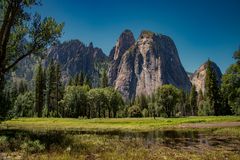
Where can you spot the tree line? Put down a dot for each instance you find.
(51, 98)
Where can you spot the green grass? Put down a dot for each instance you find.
(122, 124)
(64, 145)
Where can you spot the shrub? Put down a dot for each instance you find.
(205, 108)
(23, 106)
(134, 111)
(4, 144)
(145, 112)
(33, 146)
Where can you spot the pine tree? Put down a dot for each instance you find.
(104, 79)
(143, 102)
(81, 78)
(200, 97)
(212, 89)
(87, 81)
(193, 100)
(22, 88)
(182, 102)
(39, 90)
(58, 87)
(51, 86)
(71, 81)
(77, 80)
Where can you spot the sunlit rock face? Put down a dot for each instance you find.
(124, 42)
(199, 77)
(149, 63)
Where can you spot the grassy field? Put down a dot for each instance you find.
(120, 124)
(160, 138)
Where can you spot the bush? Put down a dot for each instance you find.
(134, 111)
(4, 144)
(33, 146)
(145, 112)
(23, 106)
(205, 108)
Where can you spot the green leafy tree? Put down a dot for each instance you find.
(94, 103)
(145, 112)
(98, 102)
(231, 87)
(115, 101)
(134, 111)
(236, 56)
(75, 101)
(152, 105)
(24, 105)
(182, 104)
(167, 98)
(141, 101)
(205, 108)
(22, 34)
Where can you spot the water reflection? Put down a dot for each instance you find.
(169, 138)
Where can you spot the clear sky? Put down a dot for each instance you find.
(201, 29)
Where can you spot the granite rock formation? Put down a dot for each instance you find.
(199, 76)
(149, 63)
(75, 57)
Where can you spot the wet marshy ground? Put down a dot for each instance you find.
(168, 138)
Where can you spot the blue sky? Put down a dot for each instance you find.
(201, 29)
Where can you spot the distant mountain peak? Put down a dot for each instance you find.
(146, 34)
(198, 78)
(90, 45)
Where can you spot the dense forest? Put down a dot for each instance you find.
(51, 98)
(22, 35)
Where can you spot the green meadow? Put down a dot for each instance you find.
(123, 138)
(122, 124)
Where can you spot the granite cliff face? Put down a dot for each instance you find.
(199, 77)
(73, 57)
(125, 41)
(149, 63)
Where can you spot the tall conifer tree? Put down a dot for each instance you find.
(39, 90)
(212, 89)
